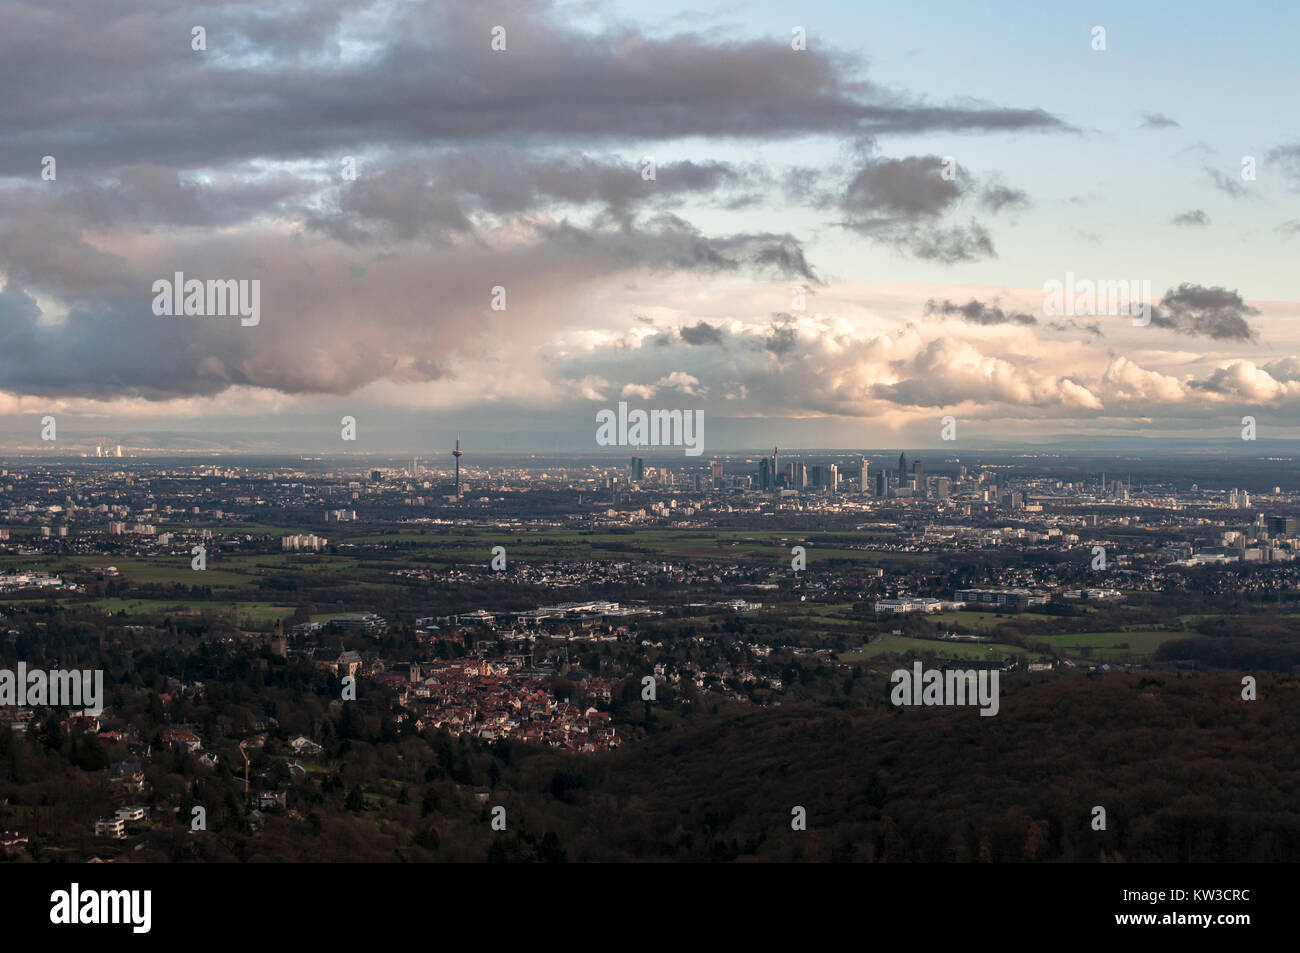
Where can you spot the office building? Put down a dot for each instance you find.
(1282, 525)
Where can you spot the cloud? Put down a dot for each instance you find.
(947, 372)
(1157, 121)
(909, 188)
(809, 365)
(976, 312)
(442, 196)
(1243, 380)
(950, 245)
(1287, 158)
(997, 197)
(1194, 217)
(701, 333)
(945, 244)
(682, 382)
(1092, 327)
(1227, 184)
(474, 170)
(902, 203)
(352, 77)
(669, 242)
(1127, 382)
(1211, 312)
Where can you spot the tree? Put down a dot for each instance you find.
(356, 801)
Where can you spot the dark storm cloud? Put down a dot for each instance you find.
(666, 241)
(93, 354)
(977, 312)
(782, 338)
(701, 333)
(436, 197)
(909, 188)
(322, 331)
(902, 203)
(1210, 312)
(107, 85)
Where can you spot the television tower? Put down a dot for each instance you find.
(458, 453)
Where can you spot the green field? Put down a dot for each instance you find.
(242, 570)
(905, 645)
(1106, 645)
(975, 621)
(248, 613)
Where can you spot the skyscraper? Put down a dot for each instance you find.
(864, 486)
(918, 471)
(902, 469)
(1282, 525)
(882, 485)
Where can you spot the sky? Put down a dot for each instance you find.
(835, 246)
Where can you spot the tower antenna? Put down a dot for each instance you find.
(457, 453)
